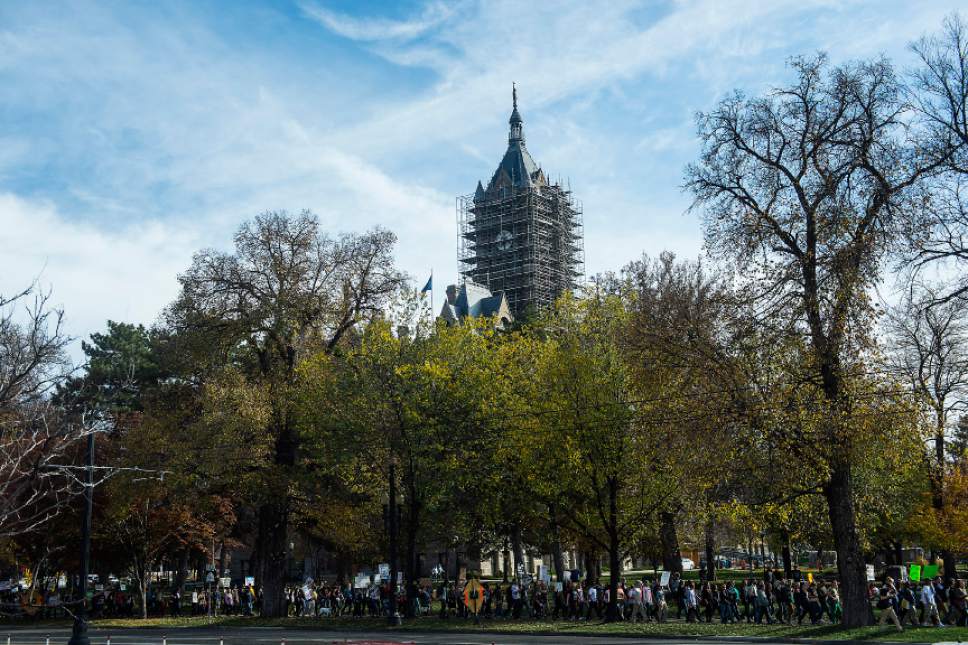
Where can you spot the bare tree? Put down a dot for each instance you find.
(286, 289)
(804, 188)
(38, 439)
(940, 92)
(927, 345)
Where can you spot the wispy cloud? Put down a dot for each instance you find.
(135, 134)
(376, 28)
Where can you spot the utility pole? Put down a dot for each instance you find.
(79, 633)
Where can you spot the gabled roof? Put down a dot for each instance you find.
(476, 300)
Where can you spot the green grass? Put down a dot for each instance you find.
(671, 629)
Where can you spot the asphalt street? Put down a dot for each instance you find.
(276, 636)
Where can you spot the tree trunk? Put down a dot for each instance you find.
(787, 559)
(850, 559)
(937, 491)
(413, 565)
(221, 558)
(556, 544)
(588, 563)
(273, 536)
(710, 551)
(950, 568)
(182, 574)
(273, 521)
(517, 547)
(671, 558)
(614, 552)
(143, 588)
(507, 559)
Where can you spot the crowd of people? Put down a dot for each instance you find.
(771, 600)
(761, 601)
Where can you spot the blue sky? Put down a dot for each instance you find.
(135, 133)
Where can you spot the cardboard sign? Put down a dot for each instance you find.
(915, 573)
(225, 582)
(664, 580)
(930, 571)
(544, 574)
(474, 596)
(384, 571)
(870, 573)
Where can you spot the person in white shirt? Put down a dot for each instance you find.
(930, 604)
(692, 605)
(634, 601)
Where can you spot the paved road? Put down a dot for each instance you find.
(275, 635)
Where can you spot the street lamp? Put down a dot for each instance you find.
(79, 632)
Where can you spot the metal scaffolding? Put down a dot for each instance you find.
(524, 240)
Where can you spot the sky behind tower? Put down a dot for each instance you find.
(134, 133)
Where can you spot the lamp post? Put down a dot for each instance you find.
(79, 633)
(394, 618)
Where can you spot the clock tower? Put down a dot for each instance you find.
(521, 234)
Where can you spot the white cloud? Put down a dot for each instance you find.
(95, 275)
(433, 14)
(170, 133)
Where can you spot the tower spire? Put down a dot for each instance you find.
(517, 125)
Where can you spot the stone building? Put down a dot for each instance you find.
(522, 233)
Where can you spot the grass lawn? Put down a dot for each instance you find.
(673, 629)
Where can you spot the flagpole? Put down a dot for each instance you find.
(431, 295)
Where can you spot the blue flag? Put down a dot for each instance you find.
(429, 285)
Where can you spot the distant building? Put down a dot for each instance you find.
(521, 235)
(475, 300)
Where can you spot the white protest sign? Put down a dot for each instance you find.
(544, 574)
(870, 572)
(664, 580)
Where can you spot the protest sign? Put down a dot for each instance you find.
(915, 572)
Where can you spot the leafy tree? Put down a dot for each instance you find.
(613, 463)
(926, 342)
(286, 290)
(803, 189)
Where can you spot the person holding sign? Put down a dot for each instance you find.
(885, 603)
(929, 605)
(908, 604)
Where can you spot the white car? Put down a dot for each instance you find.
(688, 564)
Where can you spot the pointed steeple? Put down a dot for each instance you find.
(517, 125)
